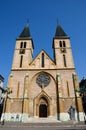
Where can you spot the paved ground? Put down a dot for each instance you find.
(43, 126)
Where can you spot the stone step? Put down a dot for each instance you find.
(42, 120)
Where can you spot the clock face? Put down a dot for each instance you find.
(43, 80)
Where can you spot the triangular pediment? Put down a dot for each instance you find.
(42, 61)
(43, 94)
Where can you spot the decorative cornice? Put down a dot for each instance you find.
(42, 69)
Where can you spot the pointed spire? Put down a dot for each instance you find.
(60, 32)
(26, 32)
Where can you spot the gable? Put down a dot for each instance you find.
(42, 61)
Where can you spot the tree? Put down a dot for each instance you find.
(83, 93)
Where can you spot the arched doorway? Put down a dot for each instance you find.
(43, 107)
(42, 110)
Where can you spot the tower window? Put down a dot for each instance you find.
(42, 59)
(21, 45)
(64, 60)
(22, 51)
(24, 44)
(60, 43)
(64, 45)
(21, 59)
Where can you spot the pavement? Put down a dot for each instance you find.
(67, 124)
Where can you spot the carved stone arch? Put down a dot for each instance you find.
(54, 78)
(43, 107)
(42, 102)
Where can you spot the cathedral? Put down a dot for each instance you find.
(43, 87)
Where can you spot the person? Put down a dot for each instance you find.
(71, 112)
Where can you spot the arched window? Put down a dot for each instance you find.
(24, 44)
(64, 45)
(21, 60)
(21, 45)
(60, 43)
(42, 59)
(64, 60)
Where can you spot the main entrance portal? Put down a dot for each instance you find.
(42, 110)
(42, 105)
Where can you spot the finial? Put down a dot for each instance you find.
(57, 21)
(27, 22)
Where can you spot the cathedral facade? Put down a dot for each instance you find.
(43, 87)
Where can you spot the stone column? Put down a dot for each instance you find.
(25, 96)
(78, 101)
(59, 94)
(10, 81)
(35, 108)
(51, 110)
(58, 81)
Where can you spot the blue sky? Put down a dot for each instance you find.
(42, 16)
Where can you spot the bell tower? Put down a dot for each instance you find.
(62, 49)
(23, 50)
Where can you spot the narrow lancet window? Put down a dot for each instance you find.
(64, 45)
(21, 45)
(60, 43)
(24, 44)
(21, 59)
(64, 60)
(42, 59)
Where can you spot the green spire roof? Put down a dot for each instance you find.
(60, 32)
(25, 33)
